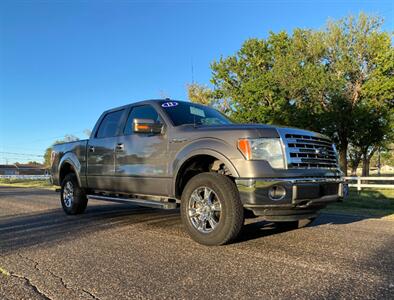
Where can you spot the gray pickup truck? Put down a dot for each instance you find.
(167, 153)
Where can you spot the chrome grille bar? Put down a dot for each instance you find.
(306, 150)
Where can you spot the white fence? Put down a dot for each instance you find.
(361, 182)
(26, 177)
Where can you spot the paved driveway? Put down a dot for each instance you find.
(117, 251)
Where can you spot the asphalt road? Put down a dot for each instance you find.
(117, 251)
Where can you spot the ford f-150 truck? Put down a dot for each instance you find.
(167, 153)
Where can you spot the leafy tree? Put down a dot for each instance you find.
(246, 81)
(387, 155)
(204, 95)
(354, 157)
(358, 53)
(47, 157)
(374, 130)
(338, 81)
(199, 94)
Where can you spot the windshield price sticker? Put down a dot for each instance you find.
(169, 104)
(197, 112)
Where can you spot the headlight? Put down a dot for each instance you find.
(263, 149)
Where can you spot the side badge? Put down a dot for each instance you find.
(169, 104)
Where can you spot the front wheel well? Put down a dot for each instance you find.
(65, 169)
(196, 165)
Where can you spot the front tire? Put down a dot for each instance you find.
(72, 196)
(211, 209)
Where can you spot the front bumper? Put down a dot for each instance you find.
(303, 198)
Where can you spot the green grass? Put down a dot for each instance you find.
(369, 202)
(26, 183)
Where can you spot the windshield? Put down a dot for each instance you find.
(182, 113)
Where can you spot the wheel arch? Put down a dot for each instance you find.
(202, 156)
(69, 164)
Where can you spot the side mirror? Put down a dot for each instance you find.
(146, 126)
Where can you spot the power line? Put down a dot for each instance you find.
(46, 139)
(21, 154)
(22, 148)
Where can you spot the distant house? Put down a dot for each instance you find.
(8, 170)
(23, 169)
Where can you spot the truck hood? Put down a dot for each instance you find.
(228, 131)
(246, 130)
(235, 127)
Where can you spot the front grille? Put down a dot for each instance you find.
(309, 151)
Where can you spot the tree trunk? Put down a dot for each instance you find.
(354, 169)
(343, 158)
(366, 161)
(355, 159)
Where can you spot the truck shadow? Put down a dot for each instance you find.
(258, 228)
(51, 226)
(365, 202)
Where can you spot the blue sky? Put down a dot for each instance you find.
(62, 63)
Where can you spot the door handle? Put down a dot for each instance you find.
(91, 149)
(120, 146)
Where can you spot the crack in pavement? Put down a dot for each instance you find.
(41, 270)
(31, 285)
(91, 294)
(62, 281)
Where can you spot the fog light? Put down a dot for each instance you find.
(277, 192)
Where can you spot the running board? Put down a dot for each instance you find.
(140, 202)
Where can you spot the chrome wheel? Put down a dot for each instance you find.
(68, 194)
(204, 209)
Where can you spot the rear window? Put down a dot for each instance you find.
(182, 113)
(109, 124)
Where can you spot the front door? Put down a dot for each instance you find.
(101, 152)
(141, 162)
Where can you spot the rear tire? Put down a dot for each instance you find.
(72, 196)
(211, 209)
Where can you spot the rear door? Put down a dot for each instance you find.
(141, 160)
(101, 151)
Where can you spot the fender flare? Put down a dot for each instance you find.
(71, 159)
(187, 153)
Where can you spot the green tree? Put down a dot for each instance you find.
(199, 94)
(47, 157)
(354, 158)
(321, 80)
(387, 155)
(374, 132)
